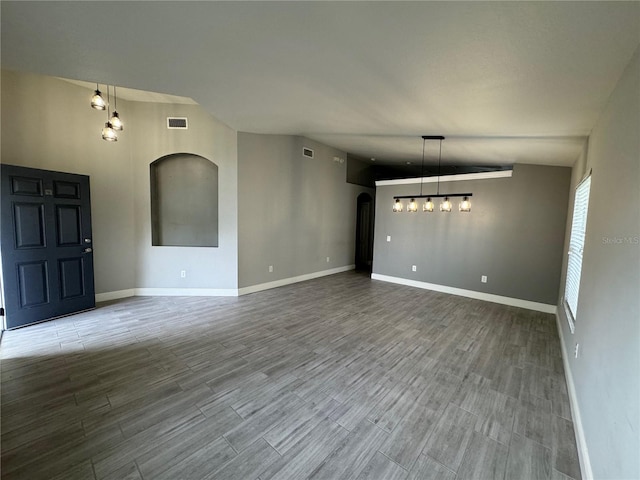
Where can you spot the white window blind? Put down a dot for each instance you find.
(576, 246)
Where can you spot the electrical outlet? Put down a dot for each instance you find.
(575, 352)
(414, 268)
(270, 268)
(183, 274)
(483, 279)
(328, 259)
(388, 238)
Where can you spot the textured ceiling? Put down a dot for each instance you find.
(506, 82)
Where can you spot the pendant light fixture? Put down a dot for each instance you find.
(116, 123)
(97, 101)
(108, 133)
(446, 204)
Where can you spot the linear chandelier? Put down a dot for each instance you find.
(113, 122)
(428, 206)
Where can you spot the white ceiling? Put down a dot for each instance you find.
(506, 82)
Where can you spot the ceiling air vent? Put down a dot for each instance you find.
(177, 123)
(307, 152)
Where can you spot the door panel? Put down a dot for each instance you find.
(47, 264)
(29, 225)
(26, 186)
(34, 285)
(71, 277)
(68, 225)
(66, 189)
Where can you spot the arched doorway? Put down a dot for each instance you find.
(364, 232)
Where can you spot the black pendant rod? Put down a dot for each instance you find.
(422, 167)
(440, 195)
(439, 160)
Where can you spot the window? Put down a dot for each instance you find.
(576, 246)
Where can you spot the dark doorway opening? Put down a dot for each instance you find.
(364, 233)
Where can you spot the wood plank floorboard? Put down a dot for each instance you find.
(337, 377)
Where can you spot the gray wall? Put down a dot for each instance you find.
(47, 123)
(52, 127)
(514, 235)
(293, 211)
(606, 373)
(206, 267)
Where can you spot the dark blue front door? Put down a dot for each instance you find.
(46, 244)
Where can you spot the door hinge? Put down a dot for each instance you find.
(1, 312)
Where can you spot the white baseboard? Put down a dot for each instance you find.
(215, 292)
(105, 297)
(581, 441)
(186, 292)
(288, 281)
(488, 297)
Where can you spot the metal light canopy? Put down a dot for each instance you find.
(446, 205)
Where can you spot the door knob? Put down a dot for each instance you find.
(88, 250)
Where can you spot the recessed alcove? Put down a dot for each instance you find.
(184, 201)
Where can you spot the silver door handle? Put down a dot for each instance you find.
(88, 250)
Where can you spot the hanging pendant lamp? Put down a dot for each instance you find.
(445, 206)
(108, 133)
(465, 205)
(97, 101)
(116, 123)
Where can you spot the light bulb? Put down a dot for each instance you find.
(445, 206)
(116, 123)
(108, 133)
(412, 206)
(397, 205)
(97, 101)
(465, 205)
(428, 205)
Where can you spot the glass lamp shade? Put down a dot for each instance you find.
(97, 101)
(445, 206)
(108, 133)
(412, 207)
(428, 206)
(465, 205)
(116, 123)
(397, 205)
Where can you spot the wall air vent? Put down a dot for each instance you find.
(307, 152)
(177, 123)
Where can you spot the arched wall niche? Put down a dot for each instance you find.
(184, 201)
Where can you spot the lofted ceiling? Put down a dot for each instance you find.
(505, 82)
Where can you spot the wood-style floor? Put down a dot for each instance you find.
(339, 377)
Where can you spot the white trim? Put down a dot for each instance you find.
(105, 297)
(488, 297)
(186, 292)
(216, 292)
(581, 440)
(447, 178)
(288, 281)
